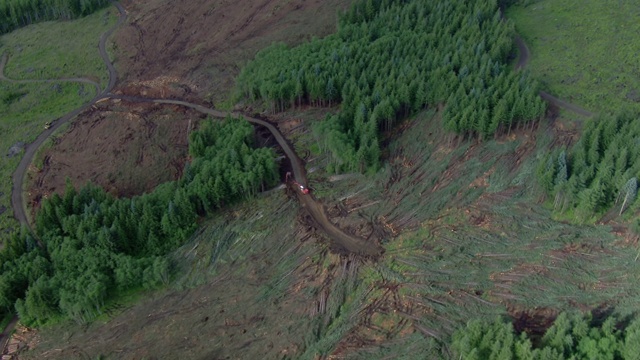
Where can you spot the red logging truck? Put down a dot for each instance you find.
(302, 188)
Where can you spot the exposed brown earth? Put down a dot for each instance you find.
(206, 41)
(203, 43)
(126, 150)
(198, 61)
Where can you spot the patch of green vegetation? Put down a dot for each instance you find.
(391, 59)
(347, 299)
(225, 105)
(599, 173)
(258, 226)
(17, 13)
(584, 52)
(58, 49)
(25, 108)
(97, 246)
(114, 306)
(571, 337)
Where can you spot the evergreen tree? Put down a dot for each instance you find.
(599, 171)
(97, 245)
(392, 59)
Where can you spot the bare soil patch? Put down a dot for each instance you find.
(126, 150)
(186, 50)
(205, 42)
(534, 322)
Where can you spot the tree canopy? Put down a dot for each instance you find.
(18, 13)
(600, 171)
(96, 245)
(391, 58)
(572, 336)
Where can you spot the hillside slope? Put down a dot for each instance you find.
(465, 236)
(204, 43)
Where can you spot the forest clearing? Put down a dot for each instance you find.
(449, 196)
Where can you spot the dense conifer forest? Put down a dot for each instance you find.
(572, 336)
(390, 59)
(600, 171)
(18, 13)
(92, 245)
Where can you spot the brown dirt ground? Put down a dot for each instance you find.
(182, 49)
(126, 150)
(205, 42)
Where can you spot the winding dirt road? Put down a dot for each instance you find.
(17, 200)
(347, 242)
(523, 60)
(3, 77)
(113, 74)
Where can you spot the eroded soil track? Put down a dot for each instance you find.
(17, 199)
(349, 243)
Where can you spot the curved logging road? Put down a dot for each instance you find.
(17, 200)
(523, 60)
(113, 74)
(345, 241)
(3, 63)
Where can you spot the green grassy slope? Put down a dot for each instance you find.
(24, 109)
(44, 51)
(585, 52)
(57, 49)
(472, 242)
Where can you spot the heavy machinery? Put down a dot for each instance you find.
(47, 125)
(301, 187)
